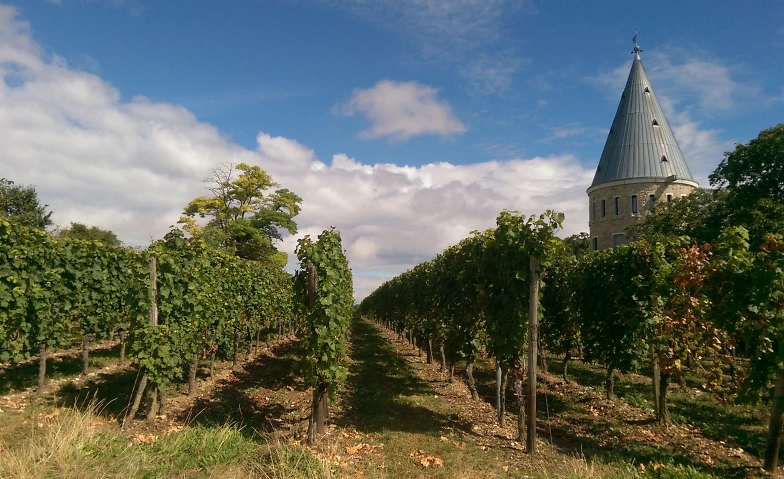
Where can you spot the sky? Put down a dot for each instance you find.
(406, 124)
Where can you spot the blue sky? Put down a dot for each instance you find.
(405, 123)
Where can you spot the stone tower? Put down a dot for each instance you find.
(641, 163)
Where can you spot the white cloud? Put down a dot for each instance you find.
(132, 166)
(401, 110)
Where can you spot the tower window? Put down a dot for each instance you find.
(655, 123)
(650, 201)
(669, 197)
(604, 209)
(593, 210)
(595, 243)
(619, 239)
(634, 205)
(617, 206)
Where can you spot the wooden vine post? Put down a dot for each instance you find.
(533, 340)
(320, 405)
(153, 393)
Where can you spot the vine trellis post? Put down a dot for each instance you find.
(153, 315)
(533, 333)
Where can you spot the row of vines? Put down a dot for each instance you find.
(663, 307)
(171, 304)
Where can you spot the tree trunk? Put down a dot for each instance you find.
(323, 412)
(152, 401)
(656, 373)
(565, 367)
(137, 400)
(470, 379)
(258, 338)
(236, 346)
(774, 426)
(520, 395)
(609, 383)
(43, 351)
(192, 375)
(429, 351)
(161, 402)
(498, 375)
(501, 390)
(443, 357)
(318, 413)
(542, 358)
(123, 334)
(212, 365)
(85, 354)
(663, 416)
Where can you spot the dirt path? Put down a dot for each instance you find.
(573, 420)
(400, 417)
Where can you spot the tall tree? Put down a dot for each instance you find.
(753, 177)
(244, 217)
(92, 233)
(20, 204)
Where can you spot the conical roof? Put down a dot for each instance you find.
(640, 143)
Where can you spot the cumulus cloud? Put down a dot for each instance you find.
(132, 166)
(392, 217)
(401, 110)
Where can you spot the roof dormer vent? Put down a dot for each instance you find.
(655, 123)
(647, 90)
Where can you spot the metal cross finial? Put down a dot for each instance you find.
(637, 48)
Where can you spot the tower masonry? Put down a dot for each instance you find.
(641, 163)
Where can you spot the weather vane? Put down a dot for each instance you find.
(637, 48)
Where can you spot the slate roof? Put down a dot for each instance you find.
(640, 143)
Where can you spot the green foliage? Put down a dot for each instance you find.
(53, 290)
(478, 287)
(19, 204)
(612, 297)
(701, 216)
(754, 171)
(204, 297)
(92, 233)
(753, 177)
(560, 327)
(243, 217)
(327, 321)
(748, 300)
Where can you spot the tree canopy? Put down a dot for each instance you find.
(753, 177)
(244, 217)
(20, 204)
(92, 233)
(749, 192)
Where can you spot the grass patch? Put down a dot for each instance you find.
(76, 444)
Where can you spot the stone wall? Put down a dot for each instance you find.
(604, 228)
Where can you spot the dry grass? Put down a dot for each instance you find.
(75, 444)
